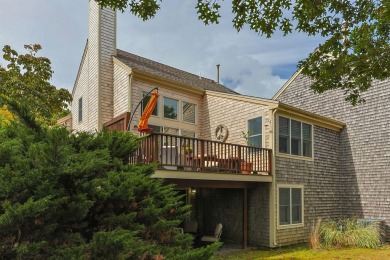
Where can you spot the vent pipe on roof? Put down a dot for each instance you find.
(218, 73)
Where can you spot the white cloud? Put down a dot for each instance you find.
(59, 26)
(177, 38)
(250, 64)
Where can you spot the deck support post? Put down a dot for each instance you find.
(245, 219)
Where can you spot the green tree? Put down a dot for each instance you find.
(6, 117)
(75, 196)
(25, 81)
(351, 56)
(68, 196)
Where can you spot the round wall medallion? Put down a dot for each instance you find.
(221, 133)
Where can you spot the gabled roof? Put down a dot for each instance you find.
(80, 66)
(286, 109)
(250, 99)
(145, 66)
(288, 82)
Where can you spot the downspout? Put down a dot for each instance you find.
(273, 216)
(129, 94)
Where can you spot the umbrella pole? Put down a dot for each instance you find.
(131, 118)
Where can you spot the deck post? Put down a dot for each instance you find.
(239, 160)
(201, 155)
(245, 219)
(269, 161)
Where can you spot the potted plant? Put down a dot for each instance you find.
(245, 135)
(188, 152)
(246, 167)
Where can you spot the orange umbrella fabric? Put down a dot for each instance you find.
(143, 122)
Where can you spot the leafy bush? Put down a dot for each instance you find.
(65, 196)
(346, 233)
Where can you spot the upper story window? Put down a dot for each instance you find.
(189, 112)
(145, 102)
(290, 205)
(170, 108)
(295, 137)
(255, 136)
(80, 109)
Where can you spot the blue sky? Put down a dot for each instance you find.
(250, 64)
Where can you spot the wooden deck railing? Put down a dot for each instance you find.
(174, 152)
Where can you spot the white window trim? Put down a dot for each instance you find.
(178, 123)
(292, 156)
(262, 128)
(290, 186)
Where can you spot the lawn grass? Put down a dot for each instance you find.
(305, 253)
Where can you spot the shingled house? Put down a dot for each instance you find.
(265, 169)
(363, 165)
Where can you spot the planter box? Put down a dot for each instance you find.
(246, 167)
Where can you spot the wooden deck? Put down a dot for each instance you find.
(180, 153)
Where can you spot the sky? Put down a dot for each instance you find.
(250, 63)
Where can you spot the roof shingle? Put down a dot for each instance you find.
(143, 65)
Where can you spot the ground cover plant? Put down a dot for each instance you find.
(290, 253)
(344, 233)
(329, 239)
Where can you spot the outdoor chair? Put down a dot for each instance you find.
(215, 237)
(210, 162)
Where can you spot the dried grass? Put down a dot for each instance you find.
(344, 233)
(314, 240)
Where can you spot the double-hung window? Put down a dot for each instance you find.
(290, 205)
(255, 136)
(295, 137)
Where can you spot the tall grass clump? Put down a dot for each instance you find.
(314, 240)
(346, 233)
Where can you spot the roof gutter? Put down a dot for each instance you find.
(272, 201)
(312, 117)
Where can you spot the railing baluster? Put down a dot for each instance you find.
(171, 150)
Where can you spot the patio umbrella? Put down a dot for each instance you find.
(143, 122)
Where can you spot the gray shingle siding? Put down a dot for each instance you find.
(364, 144)
(226, 206)
(321, 180)
(258, 215)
